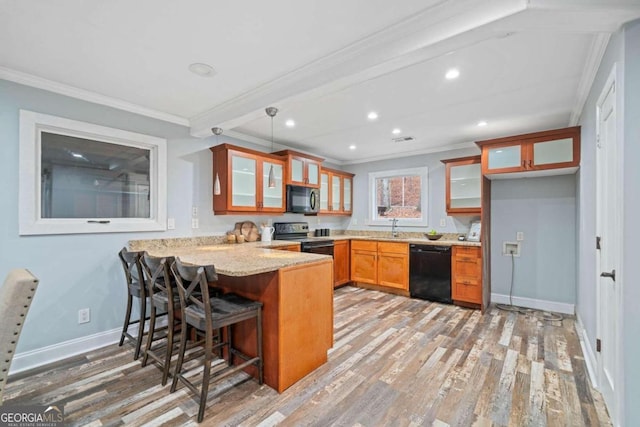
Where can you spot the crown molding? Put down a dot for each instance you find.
(591, 66)
(85, 95)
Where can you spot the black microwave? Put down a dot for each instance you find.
(304, 200)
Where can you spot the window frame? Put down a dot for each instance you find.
(423, 172)
(32, 125)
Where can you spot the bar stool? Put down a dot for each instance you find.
(164, 299)
(135, 288)
(206, 315)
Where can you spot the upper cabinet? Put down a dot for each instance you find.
(335, 192)
(541, 151)
(243, 177)
(301, 169)
(463, 177)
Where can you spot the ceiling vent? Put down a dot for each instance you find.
(403, 139)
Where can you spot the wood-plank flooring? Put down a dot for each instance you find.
(395, 361)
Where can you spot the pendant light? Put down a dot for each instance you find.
(271, 112)
(216, 184)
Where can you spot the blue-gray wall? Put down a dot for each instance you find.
(631, 214)
(624, 51)
(544, 209)
(80, 271)
(436, 208)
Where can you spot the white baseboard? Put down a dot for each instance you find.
(52, 353)
(538, 304)
(587, 351)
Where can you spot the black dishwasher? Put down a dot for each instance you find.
(430, 272)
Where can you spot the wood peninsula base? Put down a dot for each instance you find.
(297, 319)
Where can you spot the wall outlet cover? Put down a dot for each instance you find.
(511, 248)
(443, 222)
(171, 223)
(520, 236)
(84, 315)
(194, 223)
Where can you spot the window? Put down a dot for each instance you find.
(77, 177)
(400, 194)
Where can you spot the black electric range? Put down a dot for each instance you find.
(299, 232)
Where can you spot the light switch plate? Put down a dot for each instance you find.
(194, 211)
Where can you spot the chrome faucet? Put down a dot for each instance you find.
(394, 223)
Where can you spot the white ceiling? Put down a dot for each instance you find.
(525, 65)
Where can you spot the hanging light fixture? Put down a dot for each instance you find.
(216, 184)
(271, 112)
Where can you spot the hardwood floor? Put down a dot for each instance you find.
(395, 361)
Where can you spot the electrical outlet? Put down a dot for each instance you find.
(171, 223)
(519, 236)
(443, 222)
(194, 223)
(84, 315)
(194, 211)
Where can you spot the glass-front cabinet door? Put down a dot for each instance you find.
(243, 181)
(336, 193)
(346, 194)
(556, 151)
(463, 185)
(504, 158)
(313, 173)
(297, 171)
(272, 197)
(324, 192)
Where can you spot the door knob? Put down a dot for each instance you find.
(611, 275)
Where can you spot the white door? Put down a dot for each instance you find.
(608, 231)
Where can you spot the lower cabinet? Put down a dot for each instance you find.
(341, 257)
(380, 263)
(466, 274)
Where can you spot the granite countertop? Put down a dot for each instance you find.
(243, 259)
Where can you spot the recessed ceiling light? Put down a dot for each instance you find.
(482, 123)
(352, 147)
(289, 123)
(203, 70)
(452, 74)
(396, 131)
(372, 115)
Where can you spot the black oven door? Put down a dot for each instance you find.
(318, 249)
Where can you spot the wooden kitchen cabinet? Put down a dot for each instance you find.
(555, 149)
(463, 184)
(341, 256)
(301, 169)
(335, 192)
(380, 263)
(466, 274)
(243, 175)
(364, 265)
(393, 265)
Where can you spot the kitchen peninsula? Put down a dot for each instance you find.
(296, 290)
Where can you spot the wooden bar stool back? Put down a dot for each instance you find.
(164, 299)
(134, 281)
(208, 315)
